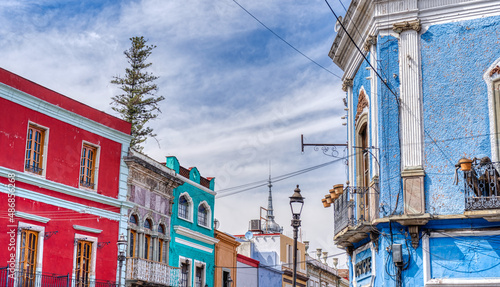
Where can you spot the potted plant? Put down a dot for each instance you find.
(465, 164)
(325, 204)
(339, 188)
(328, 199)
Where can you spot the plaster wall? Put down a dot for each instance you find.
(247, 275)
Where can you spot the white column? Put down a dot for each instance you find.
(411, 100)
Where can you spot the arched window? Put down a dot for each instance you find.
(161, 229)
(184, 207)
(147, 239)
(133, 219)
(147, 224)
(363, 168)
(202, 215)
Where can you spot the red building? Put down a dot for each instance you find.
(62, 187)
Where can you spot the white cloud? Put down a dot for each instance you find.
(237, 97)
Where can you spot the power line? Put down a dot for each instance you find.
(284, 41)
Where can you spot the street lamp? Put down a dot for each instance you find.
(296, 204)
(122, 244)
(229, 281)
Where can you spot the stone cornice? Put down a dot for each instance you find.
(31, 217)
(61, 114)
(87, 229)
(181, 230)
(370, 40)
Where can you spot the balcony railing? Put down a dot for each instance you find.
(20, 278)
(352, 207)
(152, 272)
(482, 185)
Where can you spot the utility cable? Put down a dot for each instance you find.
(284, 41)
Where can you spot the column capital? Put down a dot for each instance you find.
(406, 25)
(370, 40)
(346, 84)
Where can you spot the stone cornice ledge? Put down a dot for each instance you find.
(59, 187)
(195, 235)
(87, 229)
(31, 217)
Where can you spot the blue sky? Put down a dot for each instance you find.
(237, 97)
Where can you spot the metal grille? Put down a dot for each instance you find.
(482, 185)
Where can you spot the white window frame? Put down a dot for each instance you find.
(373, 265)
(189, 261)
(39, 247)
(45, 148)
(96, 165)
(92, 260)
(204, 275)
(190, 207)
(209, 215)
(493, 113)
(447, 281)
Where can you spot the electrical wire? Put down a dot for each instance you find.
(284, 41)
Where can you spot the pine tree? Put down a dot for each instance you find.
(139, 103)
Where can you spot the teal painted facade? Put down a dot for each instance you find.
(191, 242)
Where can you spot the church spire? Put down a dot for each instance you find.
(270, 226)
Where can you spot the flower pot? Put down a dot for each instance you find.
(325, 204)
(334, 196)
(328, 198)
(465, 164)
(339, 188)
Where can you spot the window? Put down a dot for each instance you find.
(225, 278)
(496, 97)
(34, 149)
(202, 215)
(184, 207)
(199, 276)
(363, 169)
(147, 246)
(83, 262)
(87, 166)
(147, 224)
(131, 243)
(184, 279)
(160, 250)
(133, 219)
(27, 258)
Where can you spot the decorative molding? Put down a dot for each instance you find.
(407, 25)
(495, 70)
(346, 84)
(370, 40)
(87, 229)
(428, 281)
(35, 196)
(51, 110)
(362, 104)
(181, 230)
(31, 217)
(59, 187)
(194, 245)
(414, 235)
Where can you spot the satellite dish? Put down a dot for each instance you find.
(338, 26)
(248, 235)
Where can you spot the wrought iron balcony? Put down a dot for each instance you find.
(23, 278)
(151, 272)
(353, 211)
(482, 184)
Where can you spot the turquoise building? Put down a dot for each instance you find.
(192, 229)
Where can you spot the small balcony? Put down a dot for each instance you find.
(23, 278)
(151, 273)
(481, 184)
(354, 209)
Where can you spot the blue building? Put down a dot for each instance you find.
(192, 230)
(422, 93)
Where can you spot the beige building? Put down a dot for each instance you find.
(225, 259)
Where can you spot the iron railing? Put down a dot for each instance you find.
(22, 278)
(482, 185)
(352, 207)
(152, 272)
